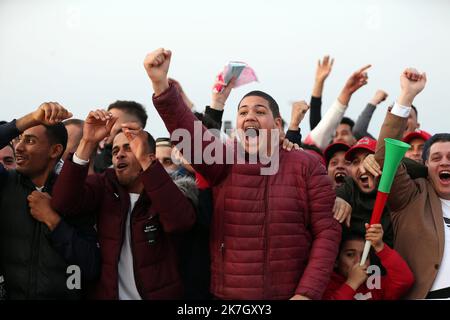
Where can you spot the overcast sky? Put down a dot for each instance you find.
(87, 54)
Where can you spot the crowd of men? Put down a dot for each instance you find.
(100, 209)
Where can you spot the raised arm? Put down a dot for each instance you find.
(362, 124)
(403, 189)
(322, 134)
(48, 113)
(212, 118)
(74, 192)
(322, 72)
(299, 109)
(176, 115)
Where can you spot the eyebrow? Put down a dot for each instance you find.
(30, 136)
(436, 154)
(256, 106)
(118, 146)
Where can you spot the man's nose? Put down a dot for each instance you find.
(250, 116)
(120, 154)
(361, 168)
(19, 145)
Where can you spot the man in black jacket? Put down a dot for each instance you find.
(36, 245)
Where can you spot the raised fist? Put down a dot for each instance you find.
(412, 82)
(157, 65)
(379, 97)
(299, 109)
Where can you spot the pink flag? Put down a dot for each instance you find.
(239, 70)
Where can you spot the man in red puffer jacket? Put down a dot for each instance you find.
(273, 234)
(140, 211)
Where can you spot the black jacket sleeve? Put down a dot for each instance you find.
(315, 111)
(215, 116)
(294, 136)
(78, 247)
(8, 131)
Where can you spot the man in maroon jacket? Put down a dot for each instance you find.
(272, 236)
(139, 210)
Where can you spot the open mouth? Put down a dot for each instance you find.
(339, 177)
(20, 159)
(121, 166)
(251, 132)
(364, 178)
(444, 176)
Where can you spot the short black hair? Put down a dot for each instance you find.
(415, 110)
(163, 141)
(348, 235)
(131, 107)
(273, 105)
(350, 122)
(57, 134)
(438, 137)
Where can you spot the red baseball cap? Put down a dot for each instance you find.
(366, 143)
(417, 134)
(333, 148)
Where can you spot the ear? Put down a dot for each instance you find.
(418, 125)
(152, 157)
(56, 151)
(279, 123)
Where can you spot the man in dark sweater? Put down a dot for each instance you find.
(36, 245)
(360, 191)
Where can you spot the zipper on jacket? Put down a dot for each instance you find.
(34, 261)
(122, 228)
(137, 283)
(222, 267)
(266, 238)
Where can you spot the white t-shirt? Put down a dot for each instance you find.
(127, 283)
(443, 276)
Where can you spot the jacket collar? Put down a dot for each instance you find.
(48, 186)
(120, 191)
